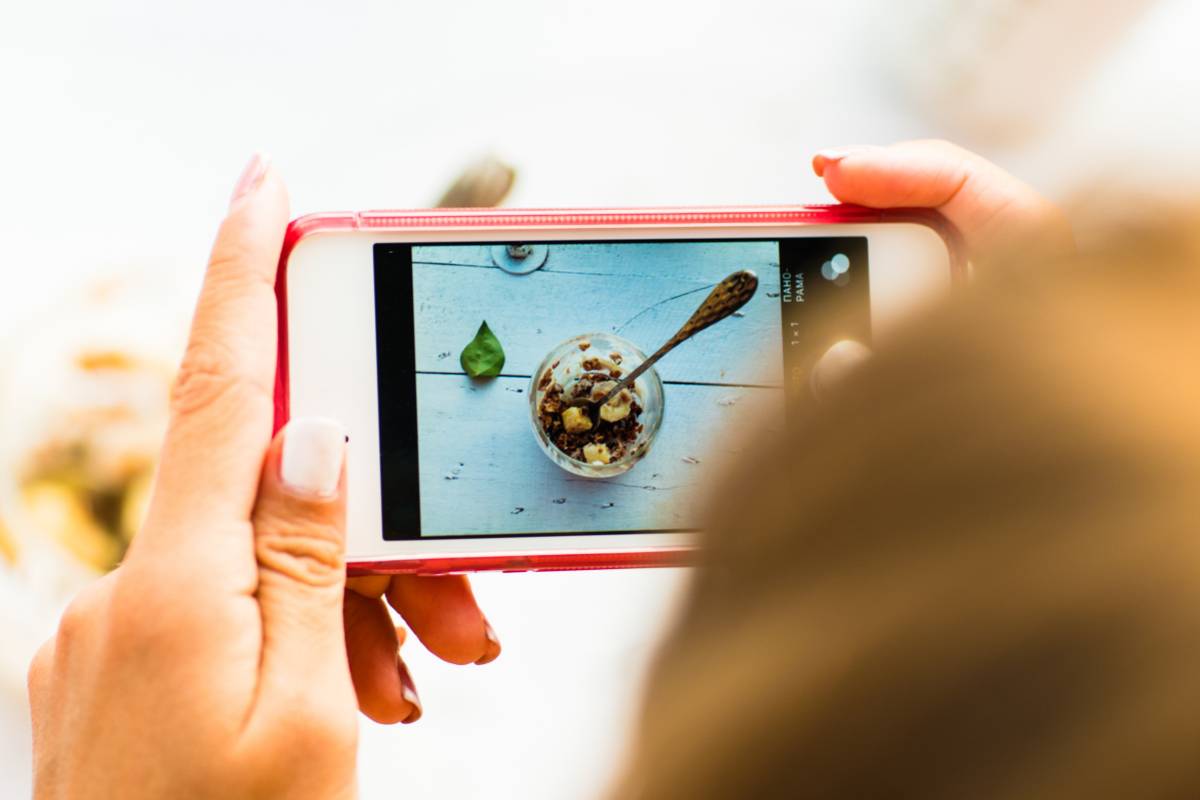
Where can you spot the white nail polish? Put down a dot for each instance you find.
(313, 450)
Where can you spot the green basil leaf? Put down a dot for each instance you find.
(483, 357)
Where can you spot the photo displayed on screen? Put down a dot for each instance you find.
(495, 359)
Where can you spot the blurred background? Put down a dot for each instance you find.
(124, 125)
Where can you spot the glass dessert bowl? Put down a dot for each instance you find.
(570, 425)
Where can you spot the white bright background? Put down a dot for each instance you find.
(123, 126)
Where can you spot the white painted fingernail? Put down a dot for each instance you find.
(838, 361)
(313, 451)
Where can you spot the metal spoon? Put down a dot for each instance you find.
(727, 297)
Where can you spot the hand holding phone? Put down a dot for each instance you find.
(531, 518)
(994, 211)
(179, 674)
(233, 587)
(113, 670)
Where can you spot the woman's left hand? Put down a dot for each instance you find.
(215, 661)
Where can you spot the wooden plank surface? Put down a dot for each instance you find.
(482, 471)
(642, 291)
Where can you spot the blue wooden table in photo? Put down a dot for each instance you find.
(481, 470)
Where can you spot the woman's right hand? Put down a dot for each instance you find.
(997, 214)
(1000, 217)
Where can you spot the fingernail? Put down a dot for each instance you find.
(832, 155)
(409, 691)
(251, 177)
(313, 451)
(493, 647)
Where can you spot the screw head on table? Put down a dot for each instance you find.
(520, 259)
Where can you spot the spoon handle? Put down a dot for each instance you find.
(726, 297)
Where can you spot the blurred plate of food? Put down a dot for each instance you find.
(83, 405)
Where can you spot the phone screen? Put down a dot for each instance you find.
(459, 455)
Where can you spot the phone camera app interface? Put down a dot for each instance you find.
(504, 401)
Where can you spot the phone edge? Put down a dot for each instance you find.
(534, 218)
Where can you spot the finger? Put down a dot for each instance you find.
(369, 585)
(989, 206)
(841, 359)
(442, 612)
(222, 404)
(299, 543)
(385, 690)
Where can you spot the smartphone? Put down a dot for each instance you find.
(458, 348)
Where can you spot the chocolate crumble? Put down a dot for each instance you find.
(605, 437)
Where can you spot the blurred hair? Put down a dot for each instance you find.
(974, 572)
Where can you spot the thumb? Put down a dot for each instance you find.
(299, 542)
(842, 358)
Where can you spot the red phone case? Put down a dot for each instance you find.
(550, 219)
